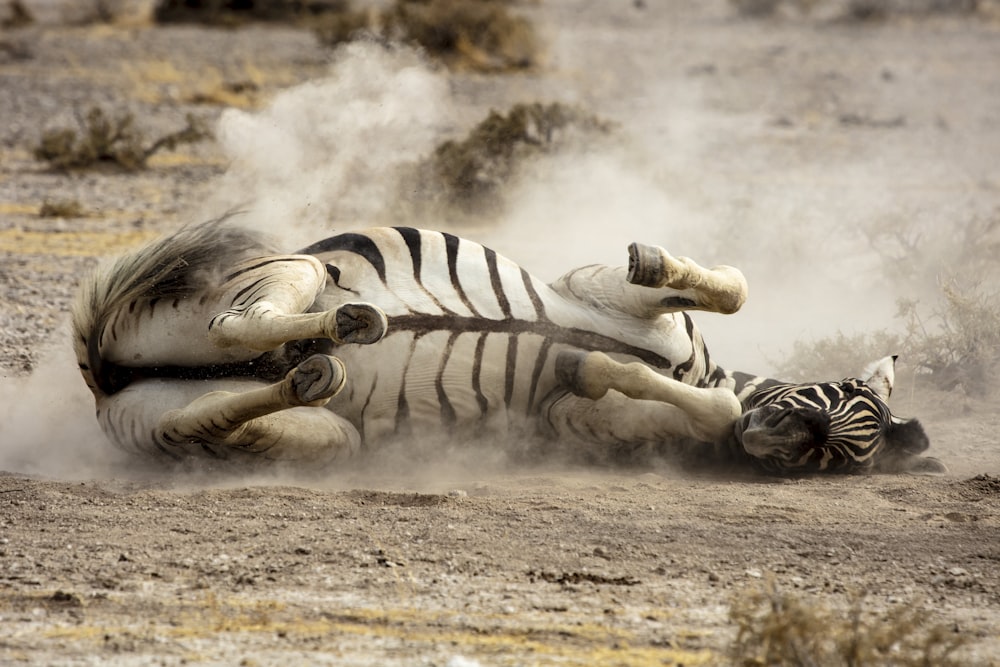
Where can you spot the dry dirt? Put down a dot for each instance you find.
(465, 566)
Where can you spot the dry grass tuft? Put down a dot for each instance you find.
(480, 35)
(234, 13)
(468, 176)
(780, 630)
(103, 140)
(61, 208)
(857, 11)
(950, 327)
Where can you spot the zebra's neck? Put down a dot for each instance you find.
(742, 384)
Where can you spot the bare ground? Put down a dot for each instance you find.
(552, 565)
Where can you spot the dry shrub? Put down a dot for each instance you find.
(477, 34)
(17, 16)
(950, 314)
(103, 140)
(237, 12)
(857, 11)
(838, 355)
(780, 630)
(959, 344)
(61, 208)
(468, 176)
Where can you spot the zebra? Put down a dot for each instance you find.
(210, 342)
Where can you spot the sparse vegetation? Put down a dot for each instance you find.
(950, 327)
(778, 629)
(858, 11)
(468, 175)
(109, 141)
(61, 208)
(476, 34)
(236, 12)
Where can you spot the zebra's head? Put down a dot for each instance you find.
(843, 426)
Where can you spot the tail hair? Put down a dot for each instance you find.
(175, 266)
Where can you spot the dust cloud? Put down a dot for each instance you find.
(41, 413)
(322, 157)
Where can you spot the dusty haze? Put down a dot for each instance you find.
(779, 145)
(785, 181)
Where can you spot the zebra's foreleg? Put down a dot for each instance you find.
(706, 414)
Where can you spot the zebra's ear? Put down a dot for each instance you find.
(880, 375)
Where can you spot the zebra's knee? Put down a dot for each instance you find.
(574, 371)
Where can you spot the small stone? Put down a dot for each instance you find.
(754, 573)
(458, 493)
(958, 572)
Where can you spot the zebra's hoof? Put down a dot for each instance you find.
(318, 379)
(645, 265)
(360, 323)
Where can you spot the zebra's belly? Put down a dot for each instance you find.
(446, 382)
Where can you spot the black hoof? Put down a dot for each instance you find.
(319, 377)
(360, 323)
(645, 265)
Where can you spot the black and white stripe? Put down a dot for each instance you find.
(471, 332)
(855, 421)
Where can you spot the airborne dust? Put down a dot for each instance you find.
(687, 173)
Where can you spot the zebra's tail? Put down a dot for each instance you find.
(175, 266)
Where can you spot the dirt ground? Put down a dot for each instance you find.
(466, 565)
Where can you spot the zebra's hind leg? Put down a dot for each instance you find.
(721, 289)
(264, 303)
(281, 421)
(261, 326)
(653, 284)
(702, 413)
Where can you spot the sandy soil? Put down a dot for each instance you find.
(759, 120)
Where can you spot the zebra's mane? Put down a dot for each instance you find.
(175, 266)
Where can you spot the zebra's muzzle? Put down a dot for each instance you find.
(780, 432)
